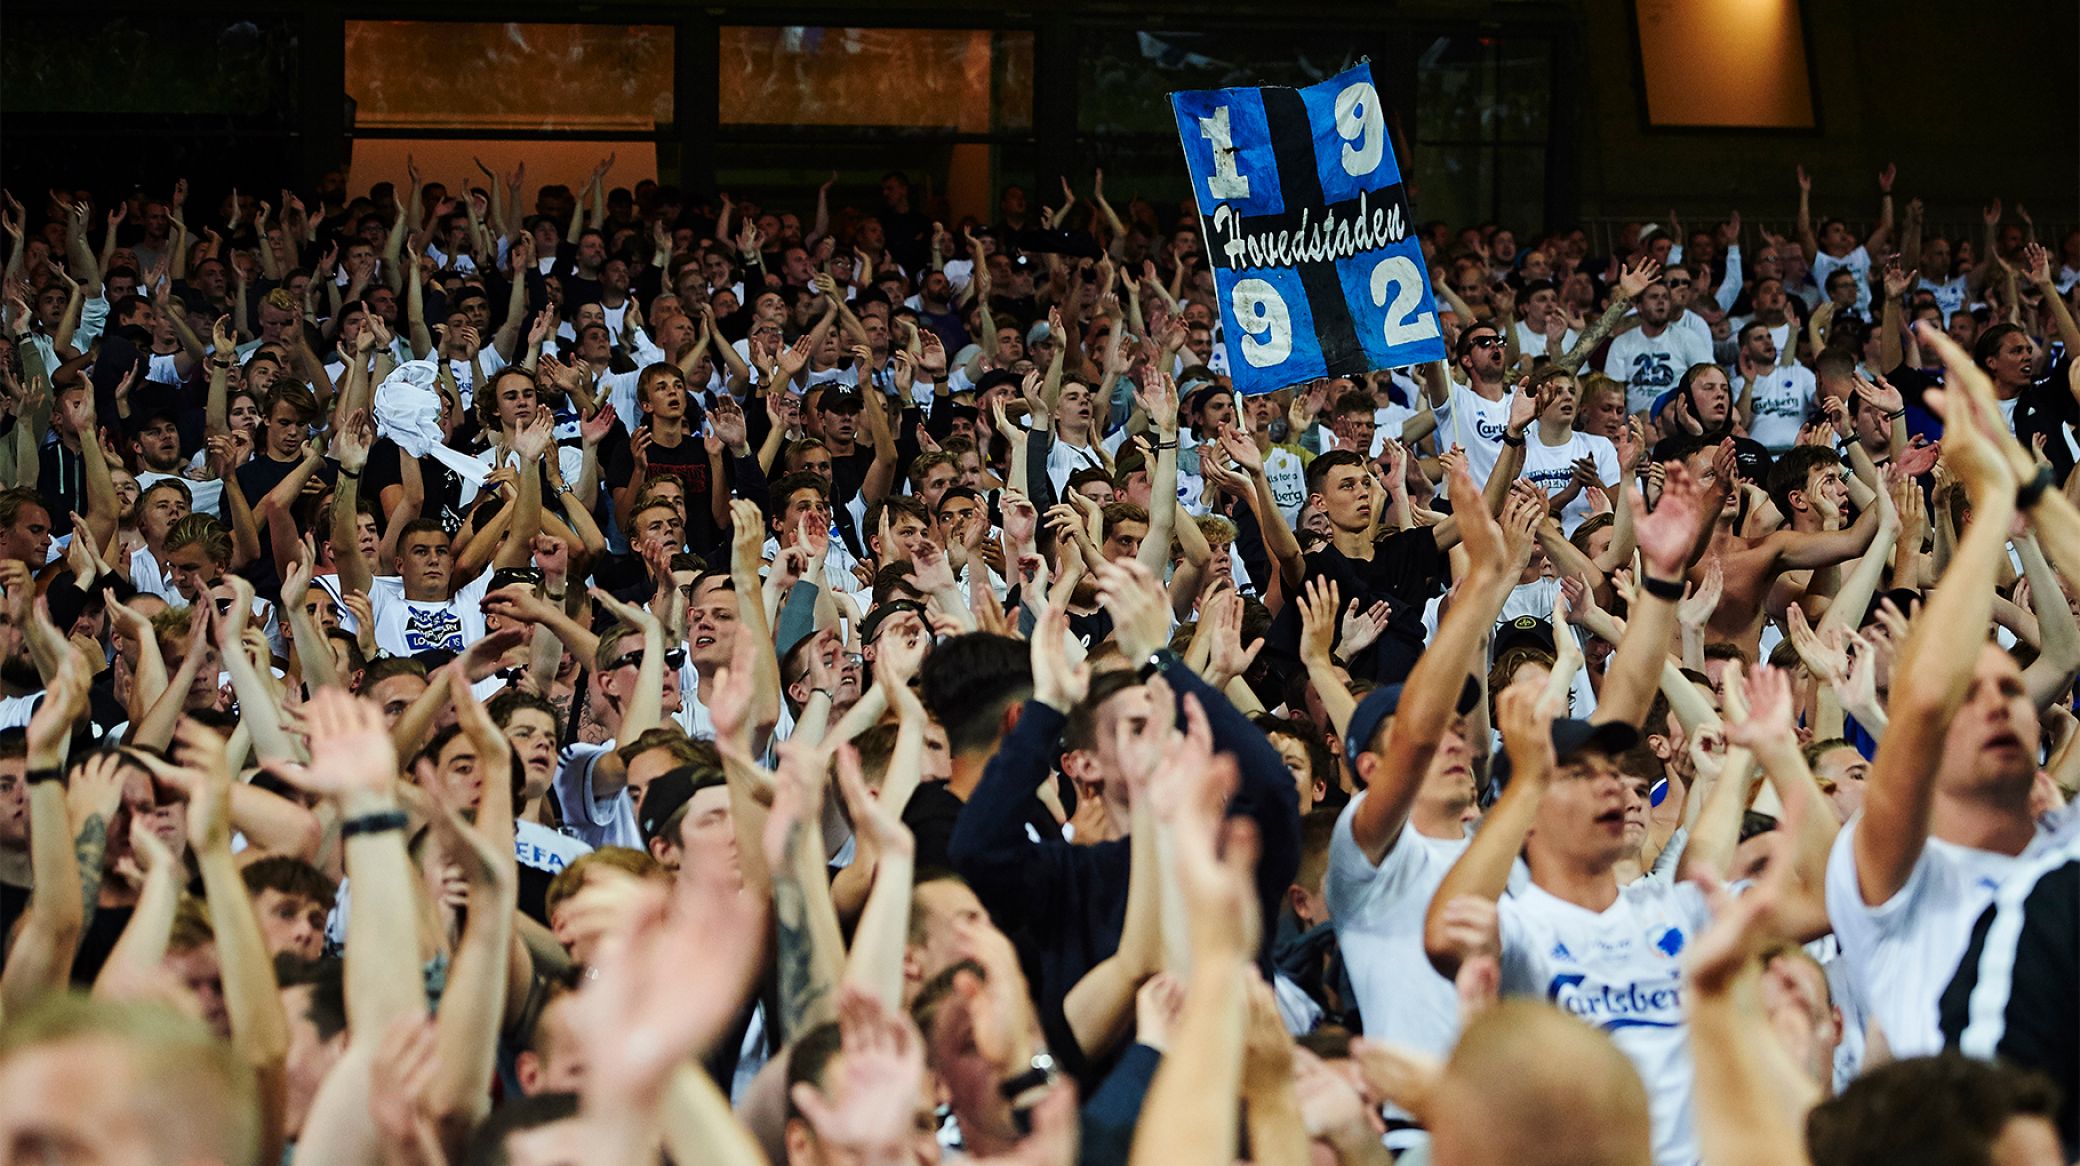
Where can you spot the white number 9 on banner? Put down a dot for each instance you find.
(1261, 313)
(1364, 131)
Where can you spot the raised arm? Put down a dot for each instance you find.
(1526, 712)
(1807, 241)
(473, 1001)
(2037, 264)
(417, 335)
(1935, 666)
(259, 1026)
(1666, 538)
(1631, 282)
(1158, 398)
(350, 445)
(40, 955)
(875, 962)
(506, 340)
(1429, 696)
(353, 763)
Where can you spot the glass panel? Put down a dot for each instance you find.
(426, 75)
(1523, 194)
(970, 81)
(960, 178)
(191, 64)
(1454, 183)
(1455, 90)
(452, 162)
(1124, 73)
(1526, 82)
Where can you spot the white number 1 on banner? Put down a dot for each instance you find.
(1227, 181)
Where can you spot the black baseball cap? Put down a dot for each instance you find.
(1525, 630)
(871, 625)
(1379, 704)
(668, 794)
(995, 377)
(1571, 738)
(840, 401)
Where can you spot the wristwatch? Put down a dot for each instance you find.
(1038, 1074)
(1157, 661)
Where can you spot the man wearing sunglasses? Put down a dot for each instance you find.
(1474, 415)
(591, 785)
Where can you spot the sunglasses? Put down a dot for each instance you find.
(674, 659)
(1487, 342)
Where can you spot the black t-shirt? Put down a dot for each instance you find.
(932, 811)
(443, 486)
(1407, 570)
(688, 462)
(13, 901)
(2014, 990)
(255, 478)
(98, 942)
(1092, 629)
(849, 474)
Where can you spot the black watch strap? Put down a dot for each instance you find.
(1159, 660)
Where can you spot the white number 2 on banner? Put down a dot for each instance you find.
(1404, 324)
(1261, 312)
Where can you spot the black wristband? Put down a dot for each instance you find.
(1895, 415)
(1662, 588)
(50, 773)
(344, 472)
(2032, 492)
(375, 823)
(1516, 442)
(1171, 444)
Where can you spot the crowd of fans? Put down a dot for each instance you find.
(490, 677)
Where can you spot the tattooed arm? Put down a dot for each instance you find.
(1631, 282)
(809, 946)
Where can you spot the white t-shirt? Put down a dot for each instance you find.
(205, 495)
(1649, 366)
(1476, 424)
(1379, 912)
(406, 627)
(1694, 324)
(465, 371)
(1551, 467)
(1858, 263)
(1379, 925)
(1064, 459)
(1903, 952)
(1287, 472)
(1389, 420)
(595, 821)
(543, 849)
(1532, 343)
(1783, 399)
(1620, 970)
(1951, 294)
(149, 579)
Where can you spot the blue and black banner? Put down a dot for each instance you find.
(1303, 212)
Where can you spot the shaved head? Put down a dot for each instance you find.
(1532, 1086)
